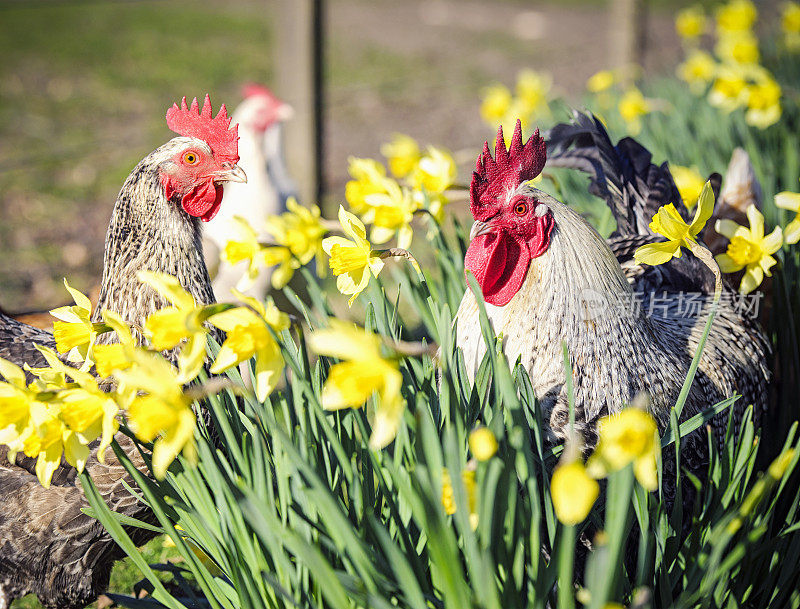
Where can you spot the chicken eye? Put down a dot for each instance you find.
(521, 208)
(190, 158)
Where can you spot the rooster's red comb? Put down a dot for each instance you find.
(214, 131)
(494, 177)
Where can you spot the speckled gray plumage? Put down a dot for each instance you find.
(47, 545)
(617, 353)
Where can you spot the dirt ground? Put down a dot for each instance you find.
(84, 85)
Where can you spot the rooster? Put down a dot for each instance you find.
(48, 546)
(259, 117)
(549, 278)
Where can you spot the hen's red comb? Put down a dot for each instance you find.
(251, 89)
(493, 177)
(214, 131)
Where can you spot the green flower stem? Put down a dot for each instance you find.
(705, 256)
(566, 561)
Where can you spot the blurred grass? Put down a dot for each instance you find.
(82, 98)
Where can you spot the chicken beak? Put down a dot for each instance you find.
(231, 173)
(479, 228)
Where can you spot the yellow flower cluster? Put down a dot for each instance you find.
(389, 205)
(627, 438)
(736, 78)
(297, 235)
(528, 102)
(64, 409)
(632, 105)
(59, 413)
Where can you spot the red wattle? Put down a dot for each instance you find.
(203, 200)
(499, 262)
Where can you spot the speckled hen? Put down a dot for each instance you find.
(48, 546)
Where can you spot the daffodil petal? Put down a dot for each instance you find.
(792, 231)
(766, 263)
(704, 209)
(752, 279)
(657, 253)
(756, 220)
(788, 200)
(727, 265)
(329, 242)
(727, 228)
(772, 242)
(269, 365)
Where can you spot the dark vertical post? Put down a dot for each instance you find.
(299, 43)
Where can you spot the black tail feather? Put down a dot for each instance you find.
(622, 175)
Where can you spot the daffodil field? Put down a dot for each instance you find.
(305, 460)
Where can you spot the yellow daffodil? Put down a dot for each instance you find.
(738, 47)
(86, 410)
(391, 213)
(248, 335)
(689, 182)
(600, 81)
(369, 177)
(75, 329)
(729, 90)
(790, 201)
(351, 260)
(482, 443)
(48, 440)
(790, 18)
(449, 498)
(362, 373)
(435, 172)
(54, 421)
(402, 154)
(15, 400)
(573, 491)
(790, 24)
(160, 412)
(631, 436)
(697, 70)
(247, 248)
(690, 23)
(632, 107)
(89, 413)
(736, 16)
(763, 103)
(298, 233)
(114, 356)
(749, 249)
(30, 422)
(532, 91)
(496, 104)
(168, 327)
(668, 223)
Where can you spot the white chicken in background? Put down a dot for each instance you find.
(260, 117)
